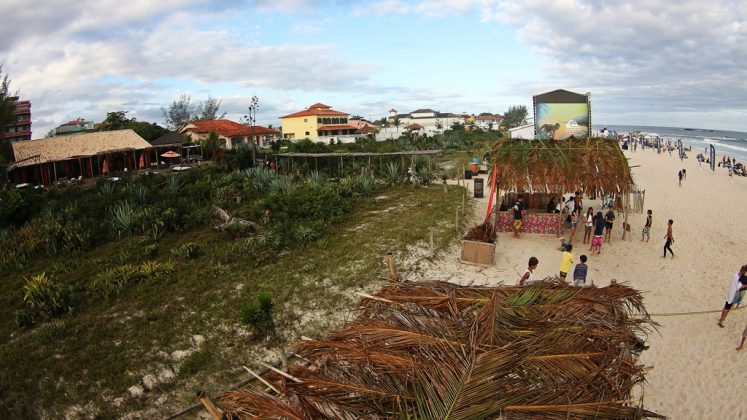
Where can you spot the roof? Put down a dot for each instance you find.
(489, 117)
(439, 350)
(172, 137)
(414, 127)
(423, 111)
(87, 144)
(316, 109)
(561, 96)
(392, 110)
(226, 128)
(521, 127)
(560, 166)
(337, 127)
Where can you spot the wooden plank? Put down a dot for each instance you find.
(477, 253)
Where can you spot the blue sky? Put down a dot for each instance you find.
(647, 64)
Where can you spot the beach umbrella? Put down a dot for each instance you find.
(170, 154)
(142, 161)
(105, 167)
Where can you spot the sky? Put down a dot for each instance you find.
(661, 63)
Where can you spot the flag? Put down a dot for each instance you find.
(680, 148)
(713, 158)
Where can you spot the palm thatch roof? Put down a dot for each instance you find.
(76, 145)
(560, 166)
(435, 350)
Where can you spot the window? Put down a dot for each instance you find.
(305, 120)
(318, 120)
(307, 133)
(335, 120)
(343, 120)
(327, 120)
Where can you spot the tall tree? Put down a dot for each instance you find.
(7, 108)
(182, 110)
(515, 116)
(118, 120)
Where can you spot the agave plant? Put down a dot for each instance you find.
(317, 178)
(392, 173)
(261, 177)
(280, 185)
(106, 188)
(425, 175)
(365, 184)
(124, 218)
(306, 234)
(175, 183)
(140, 193)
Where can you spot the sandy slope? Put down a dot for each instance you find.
(697, 372)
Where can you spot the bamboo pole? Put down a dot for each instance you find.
(261, 379)
(214, 411)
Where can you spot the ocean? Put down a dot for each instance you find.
(729, 143)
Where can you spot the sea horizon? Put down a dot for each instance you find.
(726, 142)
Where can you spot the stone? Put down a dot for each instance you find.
(197, 340)
(180, 354)
(150, 381)
(166, 375)
(136, 391)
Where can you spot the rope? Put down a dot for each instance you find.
(692, 313)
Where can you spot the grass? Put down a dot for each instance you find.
(95, 354)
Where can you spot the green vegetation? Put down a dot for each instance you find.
(106, 285)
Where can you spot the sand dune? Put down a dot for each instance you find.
(697, 374)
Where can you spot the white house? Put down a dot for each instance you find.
(525, 131)
(488, 122)
(426, 120)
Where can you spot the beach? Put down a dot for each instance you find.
(695, 371)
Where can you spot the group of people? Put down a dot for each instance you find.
(579, 272)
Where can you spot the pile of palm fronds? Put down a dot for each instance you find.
(560, 166)
(484, 232)
(435, 350)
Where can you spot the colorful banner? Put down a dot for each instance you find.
(681, 149)
(713, 158)
(560, 121)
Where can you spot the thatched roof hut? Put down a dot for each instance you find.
(435, 350)
(560, 166)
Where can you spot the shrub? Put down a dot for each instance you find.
(270, 239)
(110, 283)
(252, 315)
(106, 188)
(392, 173)
(365, 184)
(238, 230)
(317, 178)
(425, 175)
(46, 298)
(174, 185)
(305, 234)
(140, 194)
(53, 330)
(188, 250)
(12, 207)
(266, 302)
(258, 314)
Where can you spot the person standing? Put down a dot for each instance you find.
(589, 222)
(519, 213)
(669, 238)
(732, 294)
(579, 272)
(566, 259)
(596, 241)
(574, 224)
(647, 228)
(528, 277)
(609, 219)
(679, 177)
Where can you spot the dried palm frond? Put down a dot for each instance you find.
(435, 350)
(484, 232)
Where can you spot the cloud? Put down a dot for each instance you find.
(386, 7)
(655, 56)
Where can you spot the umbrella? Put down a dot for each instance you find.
(171, 154)
(142, 161)
(105, 167)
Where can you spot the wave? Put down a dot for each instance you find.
(724, 145)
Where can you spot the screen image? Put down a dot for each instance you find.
(560, 121)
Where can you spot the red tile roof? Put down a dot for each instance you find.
(316, 109)
(414, 127)
(228, 128)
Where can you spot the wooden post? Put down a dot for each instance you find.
(393, 275)
(456, 224)
(214, 411)
(430, 234)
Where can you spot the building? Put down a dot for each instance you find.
(72, 127)
(231, 134)
(430, 122)
(20, 127)
(525, 132)
(319, 122)
(62, 158)
(487, 121)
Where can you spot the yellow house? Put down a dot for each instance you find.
(315, 122)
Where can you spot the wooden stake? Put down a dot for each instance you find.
(281, 373)
(214, 411)
(269, 385)
(430, 231)
(393, 275)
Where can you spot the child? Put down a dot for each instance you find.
(528, 277)
(596, 241)
(565, 262)
(647, 229)
(579, 273)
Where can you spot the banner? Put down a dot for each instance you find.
(680, 148)
(713, 158)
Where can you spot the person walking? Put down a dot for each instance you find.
(519, 213)
(669, 238)
(679, 177)
(528, 277)
(732, 295)
(596, 240)
(647, 228)
(609, 219)
(579, 273)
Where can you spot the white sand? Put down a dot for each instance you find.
(697, 374)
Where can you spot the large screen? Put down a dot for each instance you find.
(560, 121)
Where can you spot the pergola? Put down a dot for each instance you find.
(353, 155)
